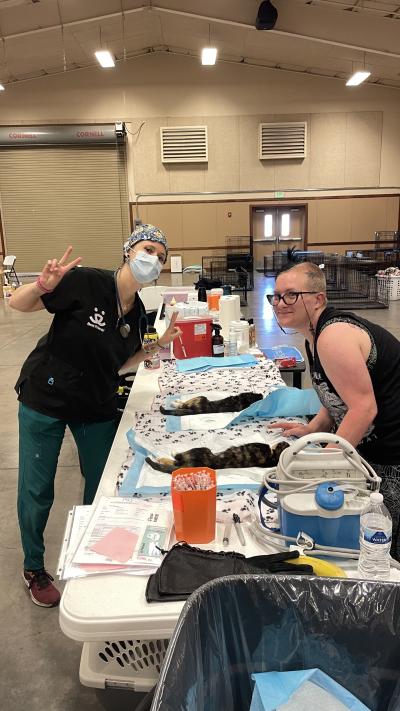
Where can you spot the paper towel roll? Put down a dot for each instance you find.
(229, 310)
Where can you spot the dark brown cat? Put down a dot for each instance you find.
(202, 405)
(254, 454)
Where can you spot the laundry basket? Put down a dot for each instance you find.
(391, 285)
(239, 625)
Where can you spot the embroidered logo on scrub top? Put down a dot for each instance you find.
(97, 320)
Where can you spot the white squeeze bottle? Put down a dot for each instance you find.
(375, 540)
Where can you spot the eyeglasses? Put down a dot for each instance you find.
(289, 298)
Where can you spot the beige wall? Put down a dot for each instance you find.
(344, 151)
(350, 220)
(198, 229)
(353, 133)
(162, 84)
(353, 139)
(203, 227)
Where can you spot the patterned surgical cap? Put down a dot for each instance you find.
(142, 233)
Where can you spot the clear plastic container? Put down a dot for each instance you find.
(375, 540)
(232, 345)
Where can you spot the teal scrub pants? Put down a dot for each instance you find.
(40, 440)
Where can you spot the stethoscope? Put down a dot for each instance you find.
(125, 328)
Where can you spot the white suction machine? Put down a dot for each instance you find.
(320, 492)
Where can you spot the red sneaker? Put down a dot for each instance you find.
(41, 589)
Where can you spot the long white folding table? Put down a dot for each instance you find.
(124, 637)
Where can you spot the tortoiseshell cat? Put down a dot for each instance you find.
(254, 454)
(202, 405)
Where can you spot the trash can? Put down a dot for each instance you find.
(239, 625)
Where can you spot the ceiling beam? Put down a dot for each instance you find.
(206, 18)
(187, 52)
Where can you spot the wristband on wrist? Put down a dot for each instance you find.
(41, 286)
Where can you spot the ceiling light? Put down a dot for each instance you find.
(2, 88)
(105, 58)
(208, 55)
(358, 78)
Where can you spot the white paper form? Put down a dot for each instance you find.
(127, 531)
(77, 521)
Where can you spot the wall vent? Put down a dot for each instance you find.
(184, 144)
(282, 140)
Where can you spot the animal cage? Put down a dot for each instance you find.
(352, 283)
(215, 269)
(387, 237)
(280, 260)
(239, 253)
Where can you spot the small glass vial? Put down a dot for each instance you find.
(252, 333)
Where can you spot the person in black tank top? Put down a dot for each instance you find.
(355, 370)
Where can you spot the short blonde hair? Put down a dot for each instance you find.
(315, 276)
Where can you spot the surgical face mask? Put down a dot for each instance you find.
(145, 267)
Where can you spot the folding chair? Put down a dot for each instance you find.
(9, 270)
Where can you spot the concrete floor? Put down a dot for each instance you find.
(39, 666)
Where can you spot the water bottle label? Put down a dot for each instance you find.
(371, 535)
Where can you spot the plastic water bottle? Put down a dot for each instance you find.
(375, 540)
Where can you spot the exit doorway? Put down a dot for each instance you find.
(275, 229)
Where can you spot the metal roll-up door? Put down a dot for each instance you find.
(55, 196)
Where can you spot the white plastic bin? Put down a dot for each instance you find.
(392, 284)
(128, 664)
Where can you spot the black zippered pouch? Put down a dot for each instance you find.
(185, 568)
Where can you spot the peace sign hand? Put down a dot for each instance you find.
(171, 332)
(54, 270)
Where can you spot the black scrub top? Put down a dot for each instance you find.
(72, 374)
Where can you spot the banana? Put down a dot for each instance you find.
(321, 567)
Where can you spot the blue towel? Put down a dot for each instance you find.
(283, 402)
(273, 689)
(173, 422)
(206, 363)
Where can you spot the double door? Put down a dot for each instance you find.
(276, 229)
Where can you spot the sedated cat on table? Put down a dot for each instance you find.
(253, 454)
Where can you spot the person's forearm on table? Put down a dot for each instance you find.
(356, 422)
(322, 422)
